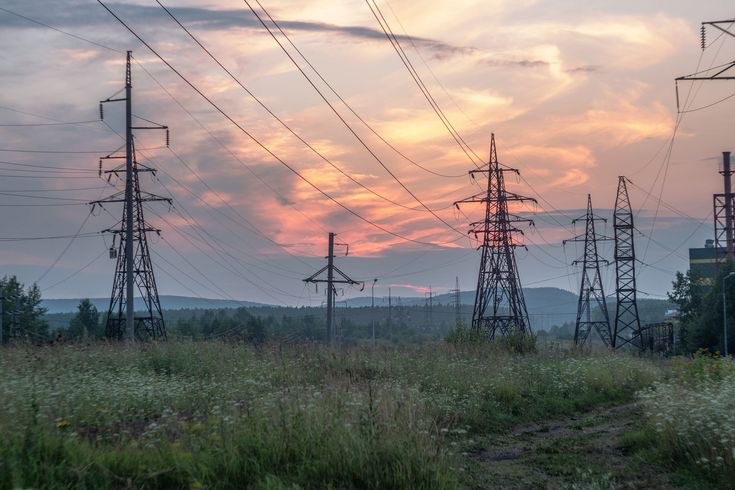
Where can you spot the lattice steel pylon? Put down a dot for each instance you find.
(500, 307)
(627, 323)
(591, 290)
(134, 269)
(724, 215)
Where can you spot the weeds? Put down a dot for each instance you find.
(215, 415)
(691, 418)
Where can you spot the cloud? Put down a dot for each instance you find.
(523, 63)
(584, 69)
(80, 15)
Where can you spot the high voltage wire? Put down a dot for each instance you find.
(428, 67)
(63, 152)
(76, 272)
(345, 123)
(349, 107)
(65, 123)
(61, 31)
(226, 148)
(262, 285)
(667, 159)
(280, 121)
(258, 142)
(64, 250)
(417, 78)
(81, 177)
(51, 237)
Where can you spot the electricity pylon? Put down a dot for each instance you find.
(627, 322)
(500, 307)
(331, 269)
(591, 290)
(724, 204)
(457, 296)
(134, 267)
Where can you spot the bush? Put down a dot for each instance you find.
(693, 417)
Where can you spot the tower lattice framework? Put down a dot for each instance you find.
(627, 322)
(591, 293)
(500, 307)
(133, 270)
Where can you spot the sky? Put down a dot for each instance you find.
(577, 94)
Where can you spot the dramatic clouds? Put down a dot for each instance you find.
(577, 94)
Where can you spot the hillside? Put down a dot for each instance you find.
(167, 303)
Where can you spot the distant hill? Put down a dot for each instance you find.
(167, 303)
(546, 306)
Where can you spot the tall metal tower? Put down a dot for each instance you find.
(134, 269)
(724, 215)
(331, 269)
(499, 304)
(724, 204)
(590, 290)
(627, 323)
(457, 296)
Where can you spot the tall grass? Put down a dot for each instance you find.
(216, 415)
(691, 418)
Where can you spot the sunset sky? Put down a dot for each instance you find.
(577, 93)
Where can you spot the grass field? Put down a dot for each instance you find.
(219, 415)
(223, 415)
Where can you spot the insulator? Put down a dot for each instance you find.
(102, 112)
(704, 38)
(99, 170)
(113, 253)
(168, 139)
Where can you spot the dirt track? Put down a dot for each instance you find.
(576, 452)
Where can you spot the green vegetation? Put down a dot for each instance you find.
(22, 315)
(700, 311)
(216, 415)
(691, 420)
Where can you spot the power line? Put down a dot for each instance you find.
(51, 237)
(280, 121)
(75, 273)
(75, 36)
(258, 142)
(346, 124)
(227, 149)
(349, 107)
(64, 250)
(51, 167)
(66, 123)
(63, 152)
(417, 78)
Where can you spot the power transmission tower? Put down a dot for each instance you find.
(330, 269)
(724, 204)
(429, 308)
(720, 72)
(457, 302)
(134, 267)
(724, 216)
(590, 290)
(500, 307)
(627, 322)
(390, 307)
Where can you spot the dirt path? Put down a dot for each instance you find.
(581, 452)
